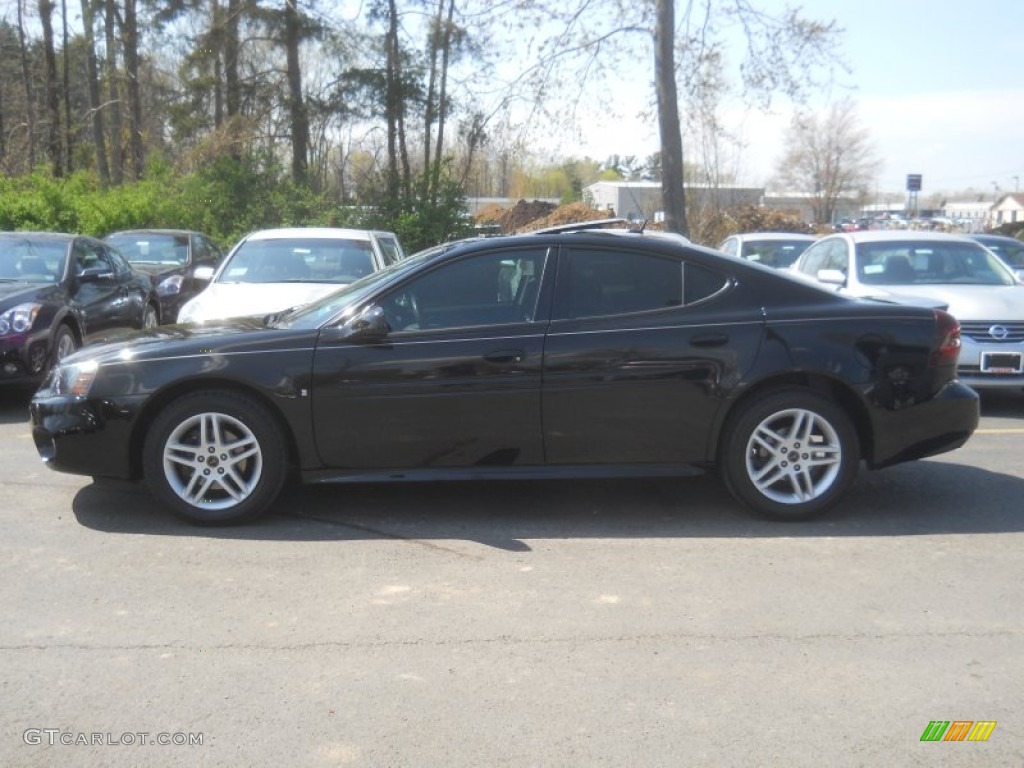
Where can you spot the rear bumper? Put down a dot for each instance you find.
(941, 424)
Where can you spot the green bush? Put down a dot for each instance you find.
(226, 199)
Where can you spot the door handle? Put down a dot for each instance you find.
(505, 356)
(709, 339)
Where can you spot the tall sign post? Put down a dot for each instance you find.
(913, 187)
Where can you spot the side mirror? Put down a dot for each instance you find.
(368, 325)
(203, 273)
(95, 274)
(831, 276)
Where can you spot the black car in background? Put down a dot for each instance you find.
(60, 291)
(170, 257)
(565, 354)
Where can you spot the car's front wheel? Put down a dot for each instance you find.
(64, 343)
(150, 317)
(790, 455)
(215, 457)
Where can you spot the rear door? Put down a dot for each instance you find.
(639, 350)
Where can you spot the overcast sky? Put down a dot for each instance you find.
(938, 85)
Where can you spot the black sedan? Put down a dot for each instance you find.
(173, 258)
(58, 292)
(546, 355)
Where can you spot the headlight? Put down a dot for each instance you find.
(73, 378)
(170, 286)
(18, 319)
(187, 314)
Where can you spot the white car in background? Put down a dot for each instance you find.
(773, 249)
(943, 270)
(275, 269)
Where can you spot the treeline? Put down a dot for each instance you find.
(228, 115)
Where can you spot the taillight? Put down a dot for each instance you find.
(947, 339)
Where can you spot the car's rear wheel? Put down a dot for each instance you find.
(215, 457)
(790, 455)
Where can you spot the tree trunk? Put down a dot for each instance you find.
(672, 193)
(92, 72)
(442, 102)
(30, 113)
(391, 99)
(53, 145)
(68, 133)
(297, 108)
(130, 36)
(114, 94)
(433, 49)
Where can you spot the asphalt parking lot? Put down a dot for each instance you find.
(617, 623)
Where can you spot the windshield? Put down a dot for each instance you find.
(929, 263)
(152, 248)
(299, 260)
(1010, 251)
(30, 260)
(317, 313)
(774, 253)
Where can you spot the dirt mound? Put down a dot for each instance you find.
(566, 214)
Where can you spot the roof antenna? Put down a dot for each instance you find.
(638, 227)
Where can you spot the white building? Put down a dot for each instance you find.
(971, 216)
(1009, 209)
(642, 199)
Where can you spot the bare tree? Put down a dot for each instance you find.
(30, 113)
(828, 155)
(296, 105)
(668, 118)
(113, 91)
(53, 143)
(130, 39)
(95, 108)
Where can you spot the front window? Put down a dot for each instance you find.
(168, 249)
(299, 260)
(494, 288)
(929, 263)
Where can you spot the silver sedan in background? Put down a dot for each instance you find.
(954, 271)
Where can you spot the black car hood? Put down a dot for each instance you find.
(159, 270)
(14, 293)
(237, 335)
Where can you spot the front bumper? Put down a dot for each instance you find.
(23, 357)
(82, 436)
(991, 365)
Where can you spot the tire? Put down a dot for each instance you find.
(215, 458)
(64, 343)
(764, 457)
(150, 317)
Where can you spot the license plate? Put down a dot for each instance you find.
(1001, 362)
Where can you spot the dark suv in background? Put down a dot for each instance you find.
(170, 257)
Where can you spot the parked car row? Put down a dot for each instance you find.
(554, 354)
(59, 292)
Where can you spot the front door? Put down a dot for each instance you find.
(456, 383)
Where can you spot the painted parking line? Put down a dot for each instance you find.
(1008, 431)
